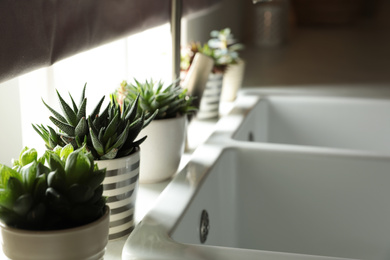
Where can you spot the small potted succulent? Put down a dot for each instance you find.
(53, 207)
(167, 132)
(226, 75)
(110, 136)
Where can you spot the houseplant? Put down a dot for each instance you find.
(227, 72)
(110, 136)
(167, 132)
(52, 207)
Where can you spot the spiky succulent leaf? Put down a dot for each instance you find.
(70, 115)
(67, 128)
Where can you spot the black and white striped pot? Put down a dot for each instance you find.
(120, 188)
(209, 103)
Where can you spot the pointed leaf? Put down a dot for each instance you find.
(70, 115)
(68, 129)
(81, 128)
(96, 143)
(82, 110)
(95, 112)
(55, 113)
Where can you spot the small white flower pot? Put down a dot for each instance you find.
(232, 81)
(87, 242)
(120, 186)
(162, 150)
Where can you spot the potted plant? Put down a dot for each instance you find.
(52, 207)
(111, 138)
(167, 132)
(227, 72)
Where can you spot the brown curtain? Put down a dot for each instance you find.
(38, 33)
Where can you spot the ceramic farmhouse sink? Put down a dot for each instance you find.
(270, 203)
(360, 124)
(282, 177)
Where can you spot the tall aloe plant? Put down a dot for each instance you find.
(108, 135)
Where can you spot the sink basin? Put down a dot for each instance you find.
(270, 204)
(360, 124)
(280, 178)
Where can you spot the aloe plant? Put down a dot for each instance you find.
(170, 101)
(61, 189)
(108, 135)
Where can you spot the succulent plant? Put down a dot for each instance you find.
(221, 47)
(108, 135)
(61, 189)
(170, 101)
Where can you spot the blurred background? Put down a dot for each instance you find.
(296, 43)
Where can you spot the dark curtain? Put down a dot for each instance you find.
(38, 33)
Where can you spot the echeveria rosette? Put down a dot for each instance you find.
(61, 189)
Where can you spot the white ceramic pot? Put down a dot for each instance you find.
(232, 81)
(209, 104)
(162, 150)
(120, 186)
(87, 242)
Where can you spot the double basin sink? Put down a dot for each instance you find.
(282, 177)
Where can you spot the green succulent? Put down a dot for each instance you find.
(113, 134)
(221, 47)
(170, 101)
(61, 189)
(108, 135)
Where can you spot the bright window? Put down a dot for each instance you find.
(142, 56)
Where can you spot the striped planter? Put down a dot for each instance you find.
(209, 103)
(120, 187)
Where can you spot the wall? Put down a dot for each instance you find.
(227, 14)
(10, 133)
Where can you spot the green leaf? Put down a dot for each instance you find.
(28, 156)
(23, 204)
(111, 129)
(55, 113)
(55, 163)
(57, 180)
(83, 94)
(29, 173)
(82, 111)
(70, 115)
(77, 167)
(95, 112)
(80, 193)
(68, 129)
(81, 128)
(130, 116)
(97, 145)
(96, 179)
(111, 154)
(65, 151)
(40, 187)
(75, 109)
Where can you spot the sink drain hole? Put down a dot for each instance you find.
(204, 226)
(251, 137)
